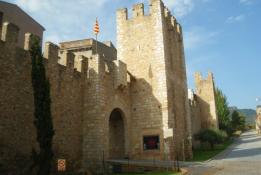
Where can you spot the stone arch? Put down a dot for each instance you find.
(117, 138)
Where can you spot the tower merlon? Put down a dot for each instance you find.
(120, 74)
(84, 64)
(69, 56)
(173, 21)
(179, 29)
(167, 12)
(138, 10)
(210, 75)
(51, 51)
(122, 14)
(28, 40)
(10, 33)
(156, 6)
(198, 77)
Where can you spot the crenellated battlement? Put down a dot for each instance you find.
(198, 77)
(10, 34)
(156, 7)
(138, 10)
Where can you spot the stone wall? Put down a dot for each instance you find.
(18, 135)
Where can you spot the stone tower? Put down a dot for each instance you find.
(152, 47)
(205, 90)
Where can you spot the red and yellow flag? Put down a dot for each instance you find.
(96, 27)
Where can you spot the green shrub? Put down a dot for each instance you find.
(211, 136)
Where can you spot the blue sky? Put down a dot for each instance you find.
(222, 36)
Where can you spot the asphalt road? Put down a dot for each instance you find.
(241, 158)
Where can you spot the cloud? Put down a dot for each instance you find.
(197, 37)
(64, 19)
(54, 38)
(233, 19)
(35, 5)
(247, 2)
(180, 7)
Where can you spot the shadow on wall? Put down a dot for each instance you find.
(146, 121)
(205, 115)
(17, 131)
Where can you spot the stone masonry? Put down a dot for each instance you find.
(106, 103)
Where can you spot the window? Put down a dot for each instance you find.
(151, 143)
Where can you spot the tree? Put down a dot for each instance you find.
(42, 111)
(238, 121)
(222, 110)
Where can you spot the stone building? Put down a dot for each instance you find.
(202, 104)
(258, 119)
(106, 103)
(12, 13)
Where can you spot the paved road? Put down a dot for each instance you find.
(241, 158)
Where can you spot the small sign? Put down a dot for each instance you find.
(61, 164)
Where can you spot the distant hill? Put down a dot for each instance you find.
(249, 113)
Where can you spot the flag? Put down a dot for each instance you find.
(96, 27)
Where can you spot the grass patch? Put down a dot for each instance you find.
(204, 154)
(150, 173)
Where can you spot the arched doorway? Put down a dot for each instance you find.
(116, 135)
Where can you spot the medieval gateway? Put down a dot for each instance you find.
(130, 102)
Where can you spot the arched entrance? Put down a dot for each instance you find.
(116, 135)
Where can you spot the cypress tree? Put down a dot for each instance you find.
(42, 111)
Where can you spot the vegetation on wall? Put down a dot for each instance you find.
(42, 113)
(211, 136)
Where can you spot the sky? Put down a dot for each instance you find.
(222, 36)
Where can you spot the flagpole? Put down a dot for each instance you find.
(96, 44)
